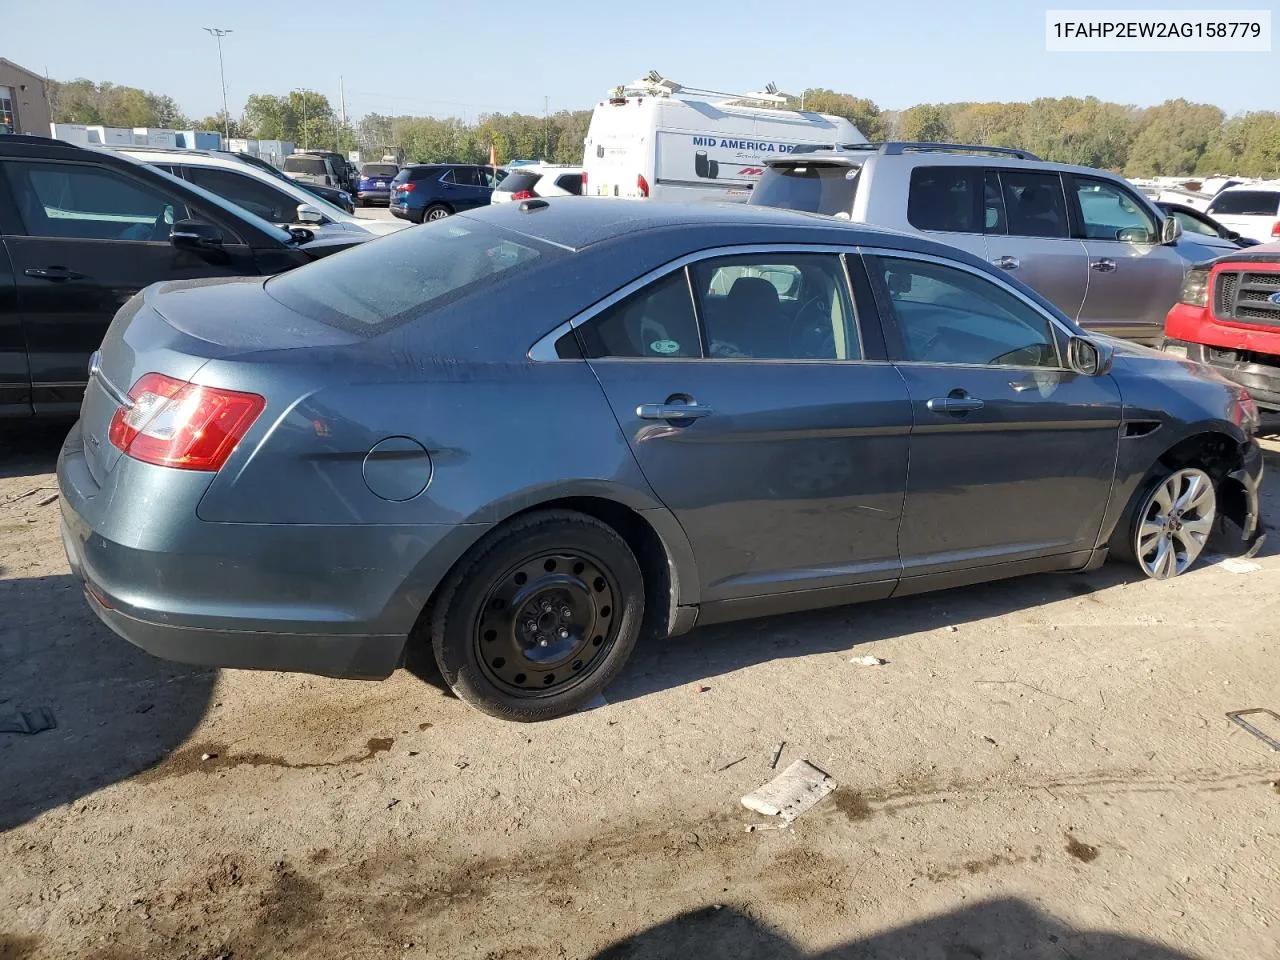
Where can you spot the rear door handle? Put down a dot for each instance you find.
(954, 404)
(672, 411)
(53, 273)
(1103, 266)
(1006, 263)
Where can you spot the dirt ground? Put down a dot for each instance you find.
(1042, 769)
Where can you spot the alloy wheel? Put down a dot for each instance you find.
(437, 213)
(1176, 523)
(547, 623)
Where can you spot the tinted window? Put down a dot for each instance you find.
(1110, 212)
(1246, 203)
(373, 287)
(516, 182)
(1191, 223)
(656, 321)
(776, 307)
(571, 182)
(1034, 204)
(462, 176)
(90, 203)
(254, 195)
(944, 198)
(947, 315)
(312, 166)
(810, 188)
(993, 218)
(379, 170)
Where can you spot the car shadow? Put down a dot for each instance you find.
(30, 448)
(118, 710)
(725, 648)
(990, 930)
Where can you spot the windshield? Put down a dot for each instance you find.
(379, 170)
(809, 188)
(309, 165)
(401, 277)
(1246, 203)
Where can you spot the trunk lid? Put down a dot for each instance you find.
(175, 329)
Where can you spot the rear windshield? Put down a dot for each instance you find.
(809, 188)
(398, 278)
(517, 180)
(310, 165)
(379, 170)
(1246, 203)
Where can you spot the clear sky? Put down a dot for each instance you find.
(464, 59)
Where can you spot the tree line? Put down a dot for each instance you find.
(1174, 138)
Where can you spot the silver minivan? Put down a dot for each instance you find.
(1085, 239)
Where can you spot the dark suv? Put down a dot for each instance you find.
(433, 191)
(81, 231)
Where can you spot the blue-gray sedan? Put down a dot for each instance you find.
(532, 435)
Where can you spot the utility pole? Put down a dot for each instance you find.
(218, 34)
(546, 128)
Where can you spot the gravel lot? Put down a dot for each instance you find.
(1042, 769)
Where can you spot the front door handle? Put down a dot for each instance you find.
(1006, 263)
(1103, 266)
(954, 404)
(53, 273)
(672, 410)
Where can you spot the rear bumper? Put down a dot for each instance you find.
(374, 195)
(334, 600)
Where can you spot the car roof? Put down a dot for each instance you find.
(1266, 185)
(934, 154)
(576, 223)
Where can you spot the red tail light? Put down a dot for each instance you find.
(1275, 230)
(584, 181)
(642, 184)
(172, 423)
(406, 187)
(522, 195)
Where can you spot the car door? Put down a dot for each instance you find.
(88, 237)
(1012, 454)
(15, 377)
(1133, 278)
(1029, 235)
(762, 413)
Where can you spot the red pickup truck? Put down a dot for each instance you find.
(1228, 317)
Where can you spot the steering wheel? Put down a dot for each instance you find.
(812, 338)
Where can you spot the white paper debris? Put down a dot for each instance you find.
(869, 661)
(1236, 565)
(791, 792)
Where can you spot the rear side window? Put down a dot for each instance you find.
(463, 177)
(1034, 204)
(515, 182)
(379, 170)
(571, 182)
(374, 287)
(809, 188)
(655, 322)
(945, 199)
(1246, 203)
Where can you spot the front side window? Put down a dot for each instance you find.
(780, 306)
(656, 322)
(947, 315)
(1109, 212)
(90, 203)
(1193, 224)
(945, 199)
(1034, 204)
(270, 204)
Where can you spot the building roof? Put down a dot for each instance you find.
(19, 67)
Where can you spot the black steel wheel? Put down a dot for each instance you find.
(539, 616)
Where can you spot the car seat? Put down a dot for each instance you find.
(752, 319)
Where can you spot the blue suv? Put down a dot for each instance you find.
(374, 183)
(433, 191)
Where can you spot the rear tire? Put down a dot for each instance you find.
(437, 211)
(1168, 521)
(539, 616)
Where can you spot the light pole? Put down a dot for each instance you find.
(218, 34)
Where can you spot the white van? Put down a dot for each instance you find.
(656, 138)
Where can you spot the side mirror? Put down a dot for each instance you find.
(309, 214)
(1170, 231)
(1232, 235)
(1088, 357)
(195, 235)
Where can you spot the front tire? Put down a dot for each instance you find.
(1168, 522)
(539, 616)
